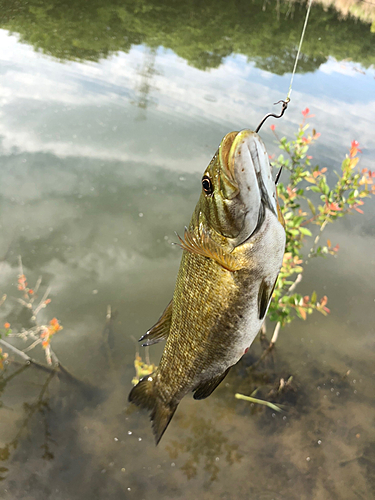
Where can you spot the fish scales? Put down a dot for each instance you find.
(232, 253)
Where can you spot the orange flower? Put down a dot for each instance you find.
(333, 208)
(22, 284)
(7, 325)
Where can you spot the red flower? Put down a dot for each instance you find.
(333, 207)
(354, 149)
(272, 127)
(305, 112)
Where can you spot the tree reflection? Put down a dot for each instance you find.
(41, 406)
(145, 85)
(202, 33)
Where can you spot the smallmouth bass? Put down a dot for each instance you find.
(232, 254)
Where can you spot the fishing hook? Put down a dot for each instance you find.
(283, 109)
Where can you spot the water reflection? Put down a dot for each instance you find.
(145, 85)
(91, 196)
(203, 35)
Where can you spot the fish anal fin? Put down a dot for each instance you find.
(160, 330)
(207, 247)
(206, 388)
(145, 395)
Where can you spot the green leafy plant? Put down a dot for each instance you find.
(309, 202)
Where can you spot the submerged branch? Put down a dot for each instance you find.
(258, 401)
(31, 361)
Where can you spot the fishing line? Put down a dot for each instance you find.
(287, 100)
(299, 50)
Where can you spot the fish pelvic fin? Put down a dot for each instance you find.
(205, 246)
(205, 389)
(160, 330)
(145, 395)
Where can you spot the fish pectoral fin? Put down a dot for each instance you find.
(204, 389)
(280, 216)
(264, 298)
(160, 330)
(205, 246)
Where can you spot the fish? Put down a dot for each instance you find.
(232, 253)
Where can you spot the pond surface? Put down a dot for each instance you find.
(108, 119)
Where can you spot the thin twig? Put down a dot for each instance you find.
(24, 356)
(317, 238)
(16, 351)
(41, 303)
(24, 303)
(293, 285)
(31, 346)
(258, 401)
(20, 265)
(275, 334)
(263, 331)
(29, 361)
(37, 285)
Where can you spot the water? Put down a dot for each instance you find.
(104, 135)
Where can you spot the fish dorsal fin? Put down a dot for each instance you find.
(160, 330)
(205, 246)
(204, 389)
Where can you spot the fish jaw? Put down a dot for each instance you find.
(248, 162)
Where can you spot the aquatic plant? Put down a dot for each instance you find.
(38, 333)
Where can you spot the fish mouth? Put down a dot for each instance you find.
(249, 167)
(225, 153)
(246, 164)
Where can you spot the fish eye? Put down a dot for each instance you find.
(207, 185)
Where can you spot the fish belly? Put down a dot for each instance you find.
(266, 257)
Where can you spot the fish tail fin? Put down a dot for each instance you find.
(144, 394)
(161, 416)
